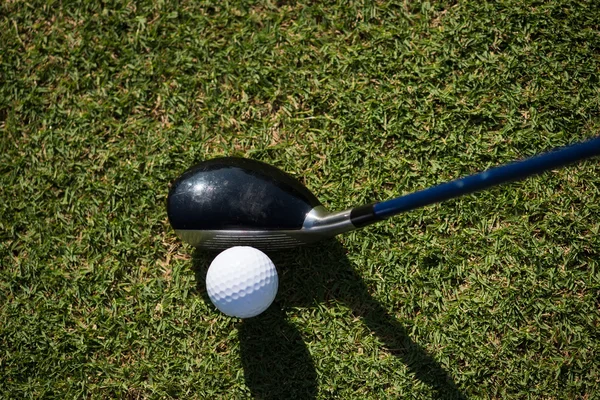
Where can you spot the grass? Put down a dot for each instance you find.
(103, 104)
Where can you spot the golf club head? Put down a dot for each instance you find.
(231, 201)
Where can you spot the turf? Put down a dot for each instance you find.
(103, 104)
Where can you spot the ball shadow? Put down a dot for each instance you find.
(276, 361)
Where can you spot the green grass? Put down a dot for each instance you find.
(103, 104)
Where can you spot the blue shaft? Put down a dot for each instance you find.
(491, 177)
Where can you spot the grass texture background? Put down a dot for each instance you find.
(103, 104)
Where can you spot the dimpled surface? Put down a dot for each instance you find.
(242, 282)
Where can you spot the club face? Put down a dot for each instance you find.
(263, 240)
(318, 225)
(231, 201)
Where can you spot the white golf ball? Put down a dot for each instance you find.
(242, 282)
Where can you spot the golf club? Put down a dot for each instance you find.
(229, 201)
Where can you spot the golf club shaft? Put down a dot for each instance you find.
(368, 214)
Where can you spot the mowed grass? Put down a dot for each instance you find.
(493, 295)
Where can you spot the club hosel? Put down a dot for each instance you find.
(319, 220)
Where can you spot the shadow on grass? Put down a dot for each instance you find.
(276, 361)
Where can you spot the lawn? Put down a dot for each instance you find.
(492, 295)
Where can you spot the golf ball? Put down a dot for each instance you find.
(242, 282)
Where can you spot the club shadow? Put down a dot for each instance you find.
(275, 359)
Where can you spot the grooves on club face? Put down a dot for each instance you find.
(230, 201)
